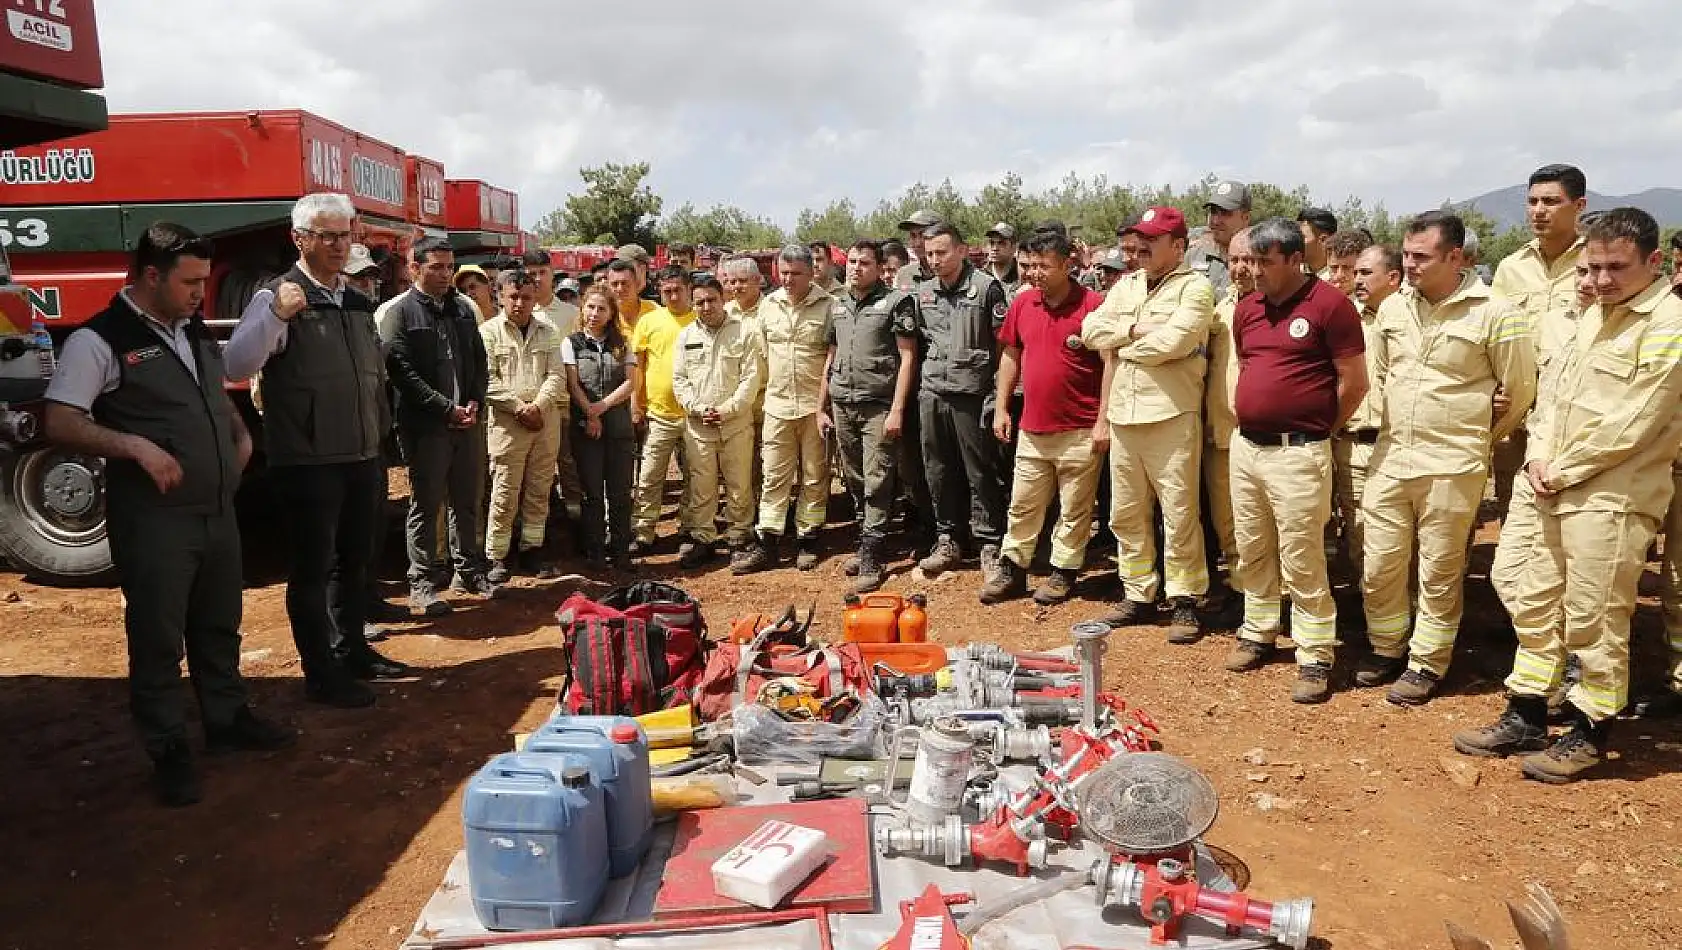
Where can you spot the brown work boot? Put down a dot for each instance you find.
(1415, 688)
(1184, 627)
(1248, 655)
(1007, 582)
(1313, 685)
(760, 556)
(1574, 753)
(1130, 613)
(868, 574)
(1375, 669)
(943, 558)
(1523, 727)
(806, 553)
(1057, 588)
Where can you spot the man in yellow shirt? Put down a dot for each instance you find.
(653, 402)
(1153, 330)
(1442, 349)
(1540, 280)
(626, 286)
(715, 375)
(794, 321)
(1597, 481)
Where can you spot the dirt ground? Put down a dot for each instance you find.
(338, 842)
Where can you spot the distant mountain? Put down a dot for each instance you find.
(1506, 205)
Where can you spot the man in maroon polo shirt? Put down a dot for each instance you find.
(1302, 373)
(1062, 444)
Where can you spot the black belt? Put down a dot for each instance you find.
(1282, 439)
(1363, 436)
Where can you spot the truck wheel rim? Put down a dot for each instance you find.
(62, 497)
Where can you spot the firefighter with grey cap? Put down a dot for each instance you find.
(1001, 257)
(913, 227)
(1228, 205)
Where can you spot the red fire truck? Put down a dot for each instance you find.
(76, 206)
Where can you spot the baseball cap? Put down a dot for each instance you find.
(1111, 260)
(466, 269)
(1002, 231)
(632, 252)
(1157, 221)
(921, 218)
(1229, 196)
(360, 259)
(569, 283)
(1323, 221)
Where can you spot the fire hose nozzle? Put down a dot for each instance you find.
(1123, 883)
(947, 842)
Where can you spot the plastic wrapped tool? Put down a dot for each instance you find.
(763, 736)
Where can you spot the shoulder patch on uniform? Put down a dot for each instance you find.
(136, 357)
(1000, 309)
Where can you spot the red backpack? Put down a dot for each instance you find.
(736, 671)
(636, 650)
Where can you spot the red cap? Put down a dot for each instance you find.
(1158, 221)
(624, 735)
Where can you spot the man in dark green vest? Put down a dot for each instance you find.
(141, 385)
(312, 336)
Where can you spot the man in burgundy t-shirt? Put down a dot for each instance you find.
(1301, 374)
(1062, 443)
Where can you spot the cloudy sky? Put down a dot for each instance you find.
(777, 106)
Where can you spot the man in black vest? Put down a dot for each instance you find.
(312, 336)
(437, 362)
(141, 385)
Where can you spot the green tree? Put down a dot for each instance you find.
(1004, 201)
(722, 225)
(615, 207)
(838, 223)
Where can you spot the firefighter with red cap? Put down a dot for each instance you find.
(1153, 330)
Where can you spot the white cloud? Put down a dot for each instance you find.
(776, 107)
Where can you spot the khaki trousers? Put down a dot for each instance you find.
(1217, 480)
(1350, 461)
(522, 473)
(1575, 594)
(1670, 571)
(1151, 463)
(795, 453)
(720, 468)
(661, 442)
(1051, 465)
(1281, 500)
(1437, 513)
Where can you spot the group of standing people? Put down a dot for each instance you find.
(1246, 389)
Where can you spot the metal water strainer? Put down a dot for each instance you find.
(1143, 803)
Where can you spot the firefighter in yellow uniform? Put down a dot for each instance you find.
(1378, 274)
(715, 376)
(1597, 481)
(1220, 420)
(1667, 702)
(1153, 329)
(528, 400)
(1540, 279)
(743, 285)
(794, 322)
(1442, 348)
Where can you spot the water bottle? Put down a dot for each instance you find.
(43, 342)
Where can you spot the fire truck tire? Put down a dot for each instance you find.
(52, 518)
